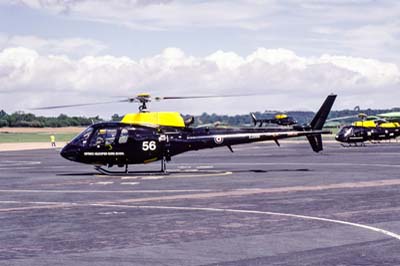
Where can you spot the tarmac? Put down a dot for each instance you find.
(261, 205)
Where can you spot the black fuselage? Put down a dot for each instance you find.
(120, 144)
(356, 134)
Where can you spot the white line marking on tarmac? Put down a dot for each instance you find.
(234, 192)
(152, 177)
(176, 175)
(110, 213)
(27, 202)
(303, 163)
(18, 163)
(103, 183)
(103, 191)
(184, 167)
(130, 183)
(205, 167)
(371, 228)
(216, 193)
(31, 167)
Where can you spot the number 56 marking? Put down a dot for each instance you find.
(149, 145)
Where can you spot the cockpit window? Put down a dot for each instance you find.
(348, 132)
(82, 138)
(110, 135)
(103, 137)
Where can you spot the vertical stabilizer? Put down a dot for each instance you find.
(320, 117)
(318, 122)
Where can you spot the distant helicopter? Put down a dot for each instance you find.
(279, 119)
(370, 128)
(146, 137)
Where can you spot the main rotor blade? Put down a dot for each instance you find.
(202, 96)
(76, 105)
(342, 118)
(144, 98)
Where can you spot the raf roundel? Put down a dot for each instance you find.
(218, 140)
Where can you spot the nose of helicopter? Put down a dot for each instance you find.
(69, 152)
(340, 136)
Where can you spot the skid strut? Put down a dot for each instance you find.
(164, 165)
(163, 170)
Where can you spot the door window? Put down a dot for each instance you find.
(123, 138)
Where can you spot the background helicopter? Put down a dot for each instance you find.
(279, 119)
(369, 128)
(150, 136)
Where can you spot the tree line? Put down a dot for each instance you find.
(21, 119)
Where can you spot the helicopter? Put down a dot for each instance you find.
(145, 137)
(279, 119)
(369, 128)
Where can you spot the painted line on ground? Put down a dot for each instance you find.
(18, 163)
(130, 183)
(206, 209)
(299, 163)
(103, 191)
(367, 227)
(205, 167)
(55, 205)
(102, 183)
(206, 195)
(171, 174)
(32, 202)
(255, 191)
(178, 175)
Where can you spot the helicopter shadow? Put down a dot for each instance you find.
(180, 172)
(78, 174)
(271, 171)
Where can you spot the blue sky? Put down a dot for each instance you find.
(293, 52)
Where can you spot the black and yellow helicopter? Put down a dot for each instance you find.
(370, 128)
(280, 119)
(146, 137)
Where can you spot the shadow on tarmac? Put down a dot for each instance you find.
(271, 171)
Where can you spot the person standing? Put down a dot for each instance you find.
(53, 141)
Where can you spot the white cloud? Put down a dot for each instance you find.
(71, 46)
(287, 80)
(225, 60)
(374, 71)
(354, 27)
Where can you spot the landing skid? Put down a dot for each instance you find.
(163, 170)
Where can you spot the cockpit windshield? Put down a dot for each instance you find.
(82, 138)
(348, 132)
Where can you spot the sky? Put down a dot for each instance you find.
(289, 54)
